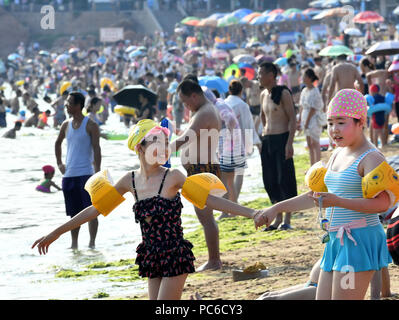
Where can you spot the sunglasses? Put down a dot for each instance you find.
(323, 222)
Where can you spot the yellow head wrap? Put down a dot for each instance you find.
(138, 132)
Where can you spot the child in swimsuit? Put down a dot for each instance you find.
(164, 256)
(357, 246)
(45, 184)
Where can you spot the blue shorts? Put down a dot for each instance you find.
(162, 105)
(370, 253)
(76, 197)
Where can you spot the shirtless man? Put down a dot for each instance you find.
(14, 103)
(29, 102)
(380, 78)
(253, 92)
(294, 75)
(162, 92)
(279, 125)
(343, 76)
(199, 143)
(319, 70)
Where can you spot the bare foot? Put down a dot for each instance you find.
(92, 246)
(224, 215)
(210, 265)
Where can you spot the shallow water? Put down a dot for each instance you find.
(26, 215)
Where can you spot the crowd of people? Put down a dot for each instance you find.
(275, 104)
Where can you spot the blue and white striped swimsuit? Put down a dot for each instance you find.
(347, 184)
(362, 248)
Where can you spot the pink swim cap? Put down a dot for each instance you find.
(348, 103)
(48, 169)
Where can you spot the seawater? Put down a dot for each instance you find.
(26, 215)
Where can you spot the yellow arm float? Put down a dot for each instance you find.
(381, 178)
(197, 188)
(103, 194)
(314, 178)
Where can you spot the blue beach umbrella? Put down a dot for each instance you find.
(214, 82)
(297, 16)
(281, 61)
(241, 13)
(14, 56)
(259, 20)
(226, 46)
(277, 18)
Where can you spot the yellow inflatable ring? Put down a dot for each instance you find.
(122, 110)
(65, 86)
(197, 188)
(103, 194)
(314, 178)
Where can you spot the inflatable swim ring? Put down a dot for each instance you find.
(65, 86)
(122, 110)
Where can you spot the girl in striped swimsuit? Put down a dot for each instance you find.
(357, 246)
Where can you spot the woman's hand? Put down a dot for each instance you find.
(265, 217)
(329, 199)
(44, 242)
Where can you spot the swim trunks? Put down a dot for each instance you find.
(76, 197)
(200, 168)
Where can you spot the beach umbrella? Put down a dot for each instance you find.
(368, 17)
(384, 48)
(129, 96)
(61, 58)
(335, 51)
(191, 52)
(137, 53)
(247, 19)
(241, 13)
(396, 11)
(244, 58)
(217, 16)
(331, 4)
(247, 70)
(276, 11)
(297, 16)
(178, 59)
(279, 17)
(73, 50)
(174, 50)
(191, 21)
(394, 66)
(262, 58)
(229, 71)
(14, 56)
(130, 49)
(291, 10)
(226, 46)
(354, 32)
(254, 44)
(101, 60)
(208, 22)
(228, 20)
(262, 19)
(317, 3)
(44, 53)
(219, 54)
(214, 82)
(281, 61)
